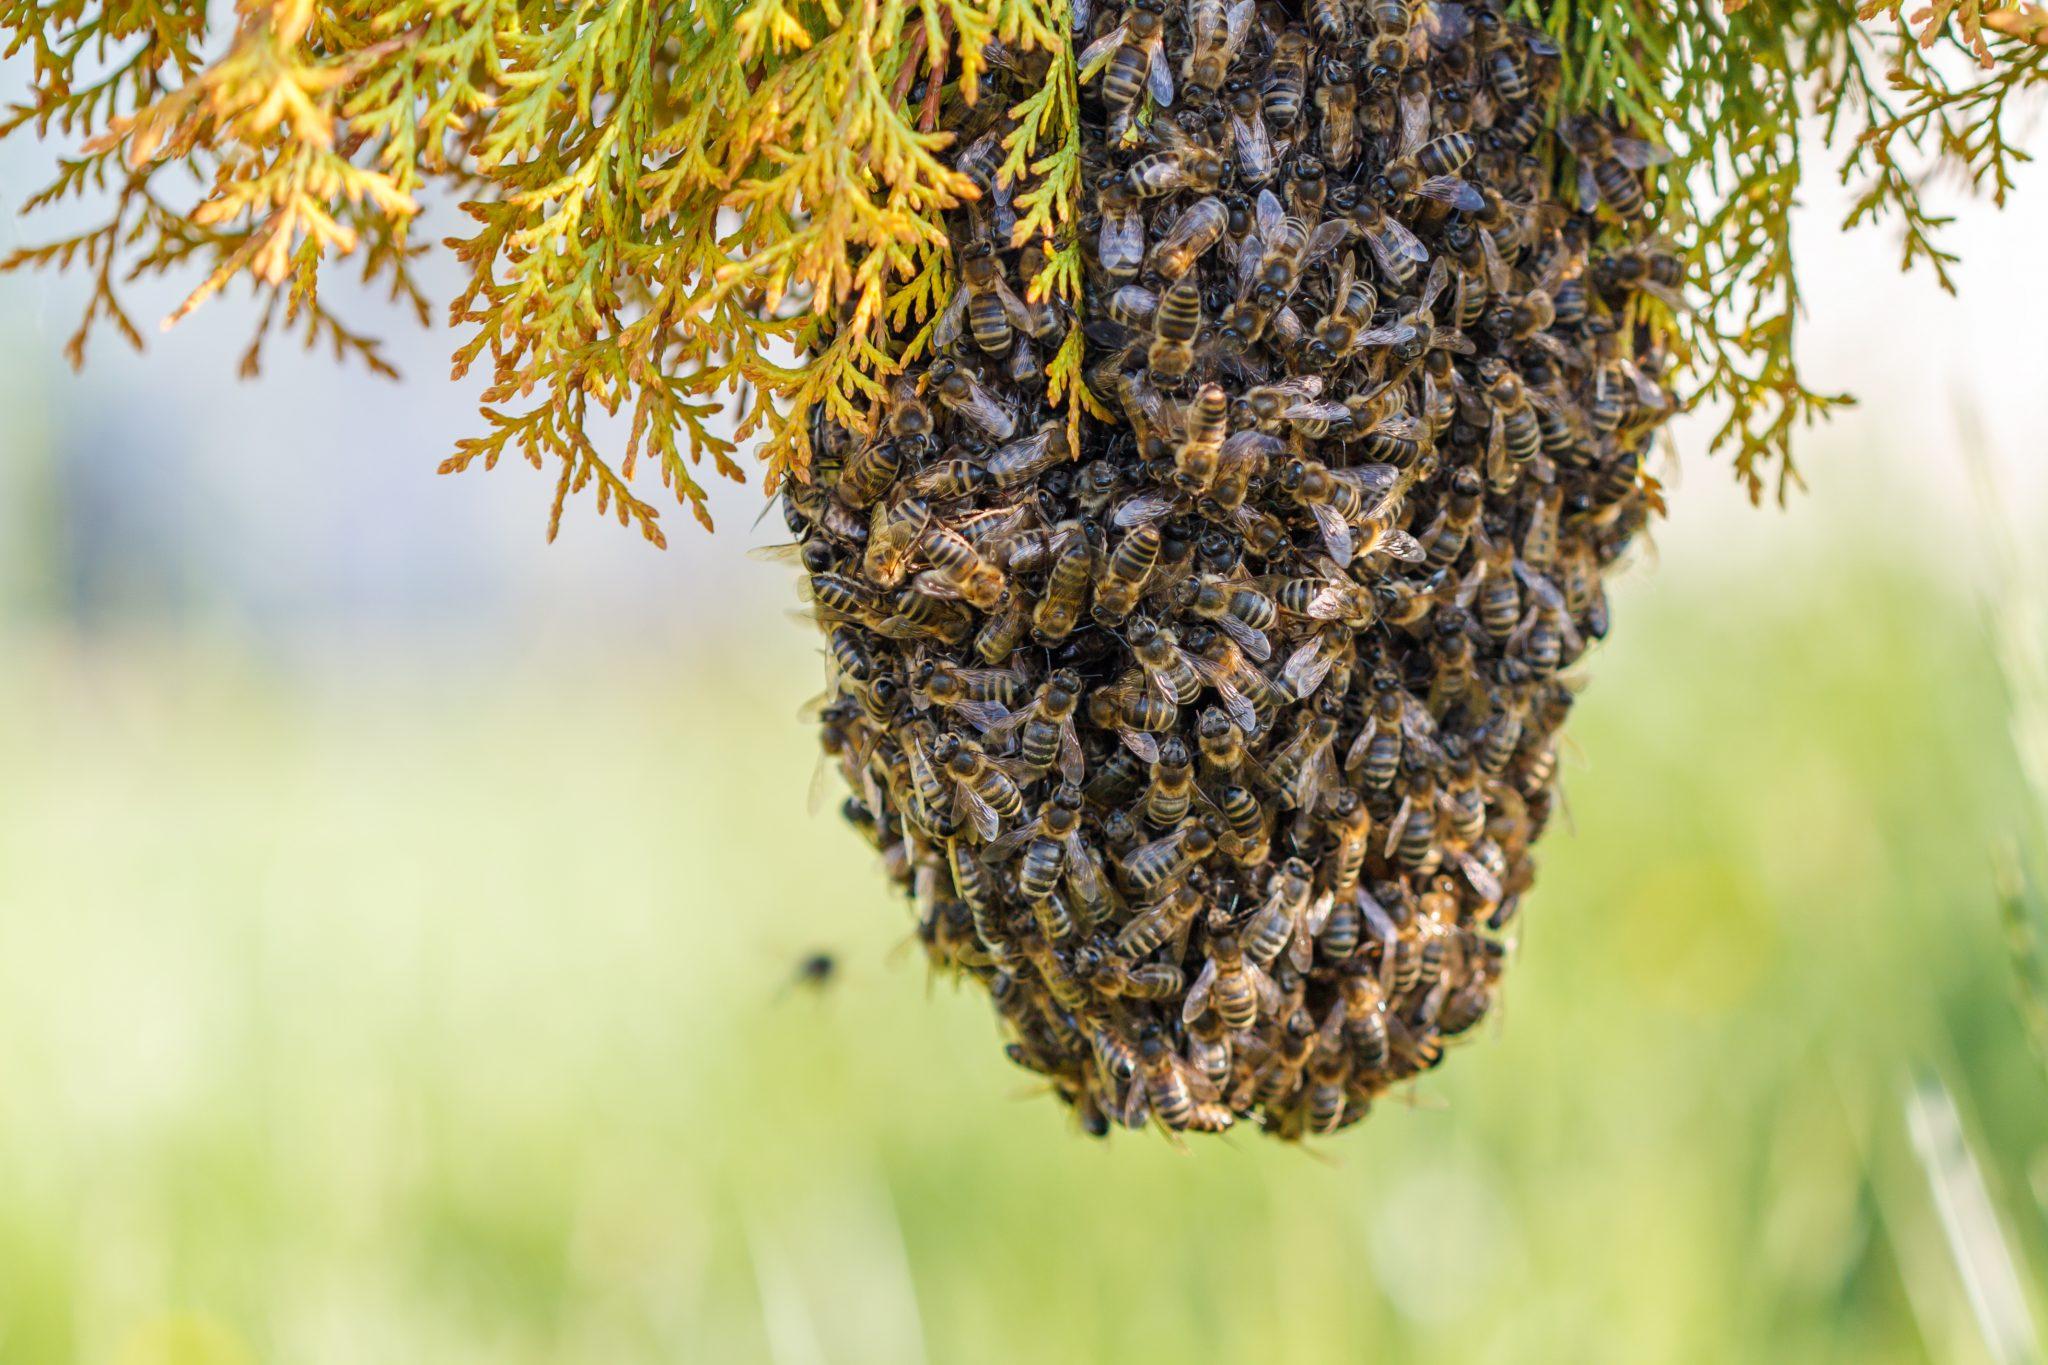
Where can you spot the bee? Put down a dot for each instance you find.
(1446, 538)
(988, 794)
(1337, 112)
(1280, 1078)
(1256, 162)
(1123, 574)
(1349, 823)
(1348, 323)
(983, 697)
(1239, 988)
(1045, 730)
(1411, 835)
(1391, 18)
(1330, 21)
(1398, 253)
(1375, 755)
(959, 391)
(1058, 610)
(1329, 1067)
(1165, 918)
(1120, 241)
(1110, 973)
(1337, 498)
(1429, 172)
(1131, 307)
(1287, 77)
(1300, 769)
(1547, 637)
(1172, 791)
(1174, 326)
(958, 569)
(985, 303)
(1137, 63)
(1218, 34)
(1199, 227)
(1655, 271)
(1363, 1002)
(1150, 867)
(1244, 822)
(1608, 166)
(1519, 125)
(869, 474)
(1172, 1090)
(1274, 925)
(1240, 610)
(1200, 455)
(1182, 164)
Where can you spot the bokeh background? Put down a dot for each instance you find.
(397, 915)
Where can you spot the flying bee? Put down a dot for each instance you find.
(1287, 77)
(1218, 34)
(1137, 65)
(958, 569)
(1237, 987)
(1174, 326)
(1608, 166)
(1256, 162)
(959, 391)
(1337, 112)
(1200, 226)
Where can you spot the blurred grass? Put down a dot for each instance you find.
(437, 1017)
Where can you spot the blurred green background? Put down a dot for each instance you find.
(397, 917)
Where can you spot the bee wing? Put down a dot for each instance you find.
(1395, 247)
(986, 822)
(1336, 532)
(1397, 544)
(1393, 334)
(1263, 987)
(1326, 238)
(1355, 755)
(1159, 78)
(1452, 340)
(1637, 154)
(1396, 825)
(1250, 639)
(1121, 242)
(934, 583)
(1139, 743)
(1146, 507)
(1498, 278)
(1000, 850)
(1254, 144)
(981, 714)
(1002, 729)
(1541, 588)
(1198, 994)
(1414, 112)
(1072, 765)
(1479, 875)
(979, 408)
(1235, 704)
(1306, 668)
(1378, 922)
(1084, 870)
(1270, 213)
(1237, 22)
(1097, 54)
(1589, 190)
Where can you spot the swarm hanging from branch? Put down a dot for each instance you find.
(666, 199)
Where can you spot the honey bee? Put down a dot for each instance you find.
(1273, 926)
(1240, 610)
(1149, 868)
(1330, 21)
(1245, 834)
(1256, 162)
(1181, 164)
(1168, 1087)
(1137, 63)
(1199, 227)
(1174, 326)
(987, 793)
(983, 697)
(1398, 252)
(1165, 918)
(1348, 323)
(1123, 574)
(1200, 454)
(1287, 77)
(1172, 792)
(1548, 637)
(1218, 34)
(1337, 113)
(1608, 164)
(1120, 241)
(985, 303)
(1337, 498)
(1059, 609)
(958, 569)
(959, 391)
(1238, 988)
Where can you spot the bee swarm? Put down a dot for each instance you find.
(1215, 745)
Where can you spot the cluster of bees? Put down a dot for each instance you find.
(1213, 741)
